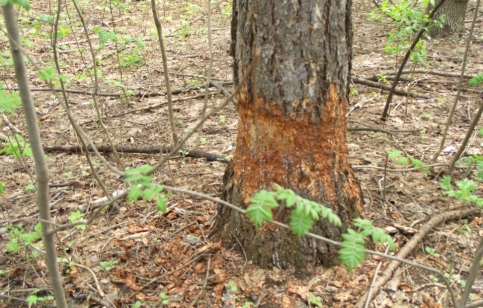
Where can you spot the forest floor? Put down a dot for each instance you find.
(138, 254)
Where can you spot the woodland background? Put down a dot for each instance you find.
(142, 257)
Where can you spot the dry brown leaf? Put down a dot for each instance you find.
(429, 302)
(218, 289)
(217, 260)
(73, 272)
(15, 272)
(343, 296)
(286, 301)
(130, 282)
(134, 228)
(298, 289)
(142, 297)
(171, 216)
(477, 221)
(341, 274)
(405, 287)
(199, 268)
(221, 275)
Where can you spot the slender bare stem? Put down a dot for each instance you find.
(41, 170)
(208, 76)
(159, 30)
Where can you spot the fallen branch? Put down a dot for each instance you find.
(137, 94)
(408, 248)
(387, 88)
(425, 72)
(398, 170)
(222, 89)
(380, 130)
(144, 150)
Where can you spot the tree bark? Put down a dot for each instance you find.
(292, 126)
(454, 22)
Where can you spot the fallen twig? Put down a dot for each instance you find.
(98, 285)
(204, 283)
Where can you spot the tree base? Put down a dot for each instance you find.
(454, 11)
(294, 154)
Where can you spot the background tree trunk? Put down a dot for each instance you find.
(292, 127)
(454, 11)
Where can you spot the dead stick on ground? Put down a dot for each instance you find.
(408, 248)
(423, 72)
(380, 130)
(143, 150)
(134, 94)
(204, 284)
(371, 289)
(373, 84)
(376, 128)
(98, 285)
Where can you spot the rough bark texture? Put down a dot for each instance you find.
(454, 11)
(292, 128)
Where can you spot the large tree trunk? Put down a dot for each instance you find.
(292, 127)
(454, 11)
